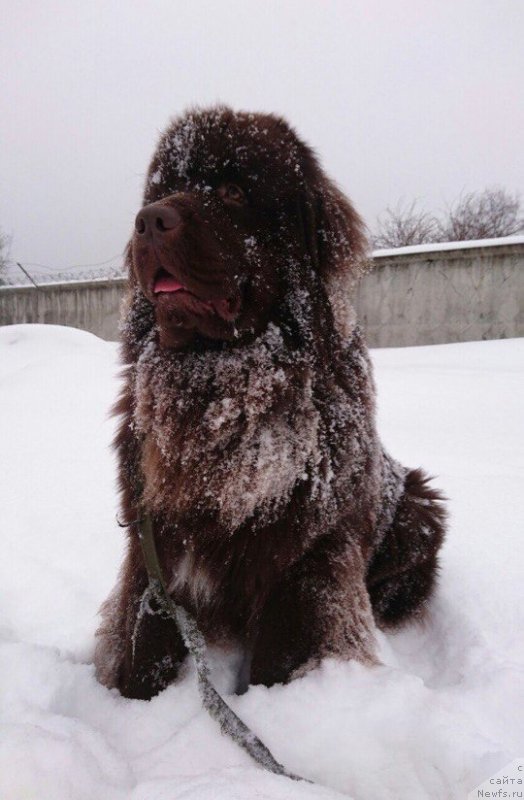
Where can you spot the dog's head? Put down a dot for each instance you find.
(237, 214)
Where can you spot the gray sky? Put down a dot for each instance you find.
(401, 99)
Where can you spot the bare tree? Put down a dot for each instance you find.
(5, 241)
(403, 226)
(483, 215)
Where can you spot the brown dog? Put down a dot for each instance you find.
(247, 419)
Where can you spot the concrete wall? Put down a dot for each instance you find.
(410, 298)
(449, 295)
(92, 306)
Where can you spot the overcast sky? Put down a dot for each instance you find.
(401, 99)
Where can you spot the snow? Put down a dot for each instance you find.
(434, 247)
(442, 712)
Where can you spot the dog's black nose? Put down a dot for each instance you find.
(156, 219)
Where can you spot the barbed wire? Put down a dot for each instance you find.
(74, 266)
(15, 273)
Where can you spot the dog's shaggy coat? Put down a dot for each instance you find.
(248, 419)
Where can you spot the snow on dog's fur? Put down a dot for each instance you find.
(248, 418)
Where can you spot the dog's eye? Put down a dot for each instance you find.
(231, 194)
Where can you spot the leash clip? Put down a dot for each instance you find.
(136, 521)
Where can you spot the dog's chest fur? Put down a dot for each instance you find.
(231, 432)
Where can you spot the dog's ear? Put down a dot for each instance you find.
(336, 241)
(341, 242)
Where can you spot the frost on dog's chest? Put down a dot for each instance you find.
(226, 432)
(194, 579)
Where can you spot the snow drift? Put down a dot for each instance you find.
(442, 713)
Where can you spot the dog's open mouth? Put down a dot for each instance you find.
(164, 282)
(167, 289)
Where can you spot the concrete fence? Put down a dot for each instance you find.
(420, 295)
(90, 305)
(432, 294)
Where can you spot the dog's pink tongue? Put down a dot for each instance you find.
(166, 283)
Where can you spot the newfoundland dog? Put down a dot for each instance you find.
(247, 419)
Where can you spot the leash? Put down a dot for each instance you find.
(230, 724)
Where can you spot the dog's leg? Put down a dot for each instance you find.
(139, 651)
(320, 609)
(403, 569)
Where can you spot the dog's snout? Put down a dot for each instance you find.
(156, 219)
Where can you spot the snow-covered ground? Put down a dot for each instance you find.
(444, 711)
